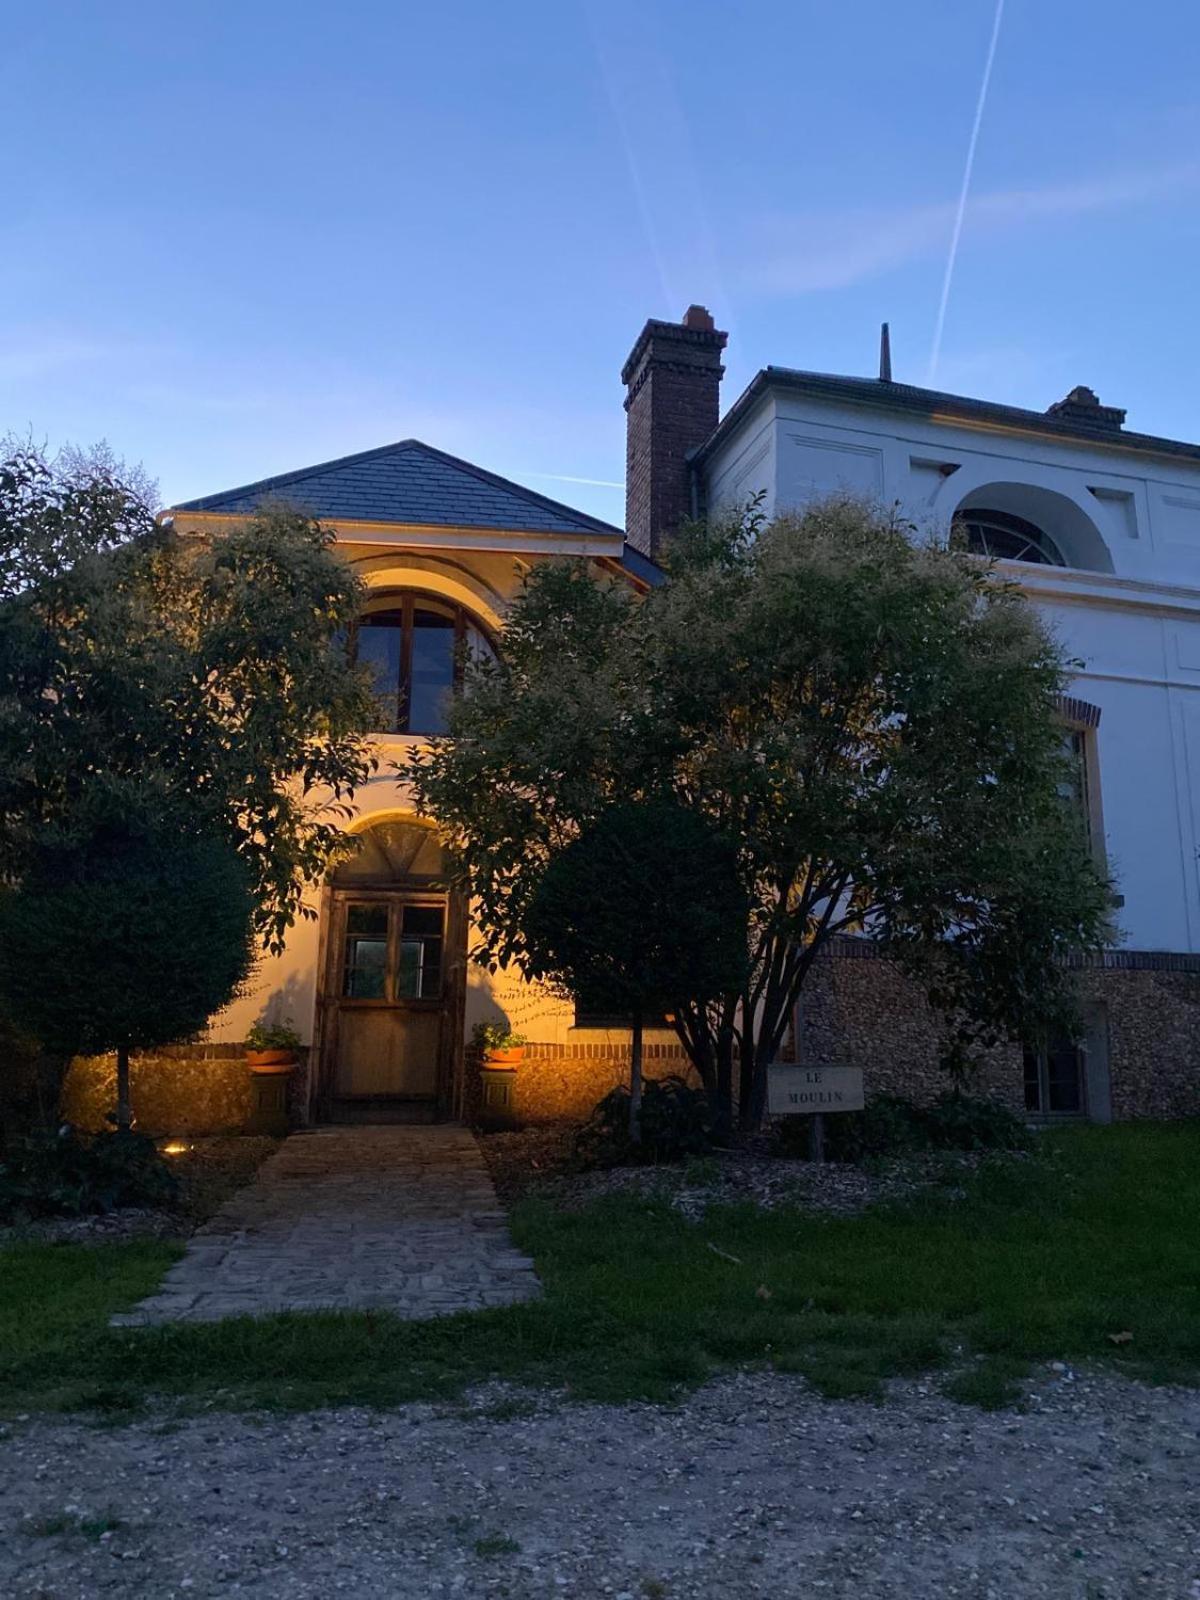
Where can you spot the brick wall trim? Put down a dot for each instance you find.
(1080, 712)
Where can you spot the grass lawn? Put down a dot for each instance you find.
(1050, 1258)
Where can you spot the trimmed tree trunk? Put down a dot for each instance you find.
(754, 1107)
(635, 1079)
(725, 1095)
(124, 1111)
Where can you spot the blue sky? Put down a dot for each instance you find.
(244, 237)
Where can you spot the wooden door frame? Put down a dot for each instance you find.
(448, 1094)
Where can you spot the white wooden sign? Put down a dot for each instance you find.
(804, 1090)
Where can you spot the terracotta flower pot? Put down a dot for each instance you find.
(504, 1058)
(270, 1060)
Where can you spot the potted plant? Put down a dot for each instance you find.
(500, 1052)
(498, 1046)
(271, 1049)
(272, 1046)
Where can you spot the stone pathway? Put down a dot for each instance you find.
(402, 1219)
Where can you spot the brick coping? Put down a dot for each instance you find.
(848, 948)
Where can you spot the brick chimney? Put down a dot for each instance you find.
(673, 376)
(1081, 405)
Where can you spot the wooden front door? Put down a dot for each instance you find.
(386, 992)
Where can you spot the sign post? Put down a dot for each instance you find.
(814, 1091)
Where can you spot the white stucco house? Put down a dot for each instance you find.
(1100, 526)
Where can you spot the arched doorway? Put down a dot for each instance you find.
(392, 990)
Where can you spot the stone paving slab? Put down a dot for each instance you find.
(400, 1219)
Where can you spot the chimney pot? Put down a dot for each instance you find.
(700, 318)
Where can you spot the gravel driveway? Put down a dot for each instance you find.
(751, 1487)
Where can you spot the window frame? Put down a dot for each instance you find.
(407, 602)
(1041, 1054)
(395, 901)
(1086, 736)
(1008, 522)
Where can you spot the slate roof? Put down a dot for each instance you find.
(409, 483)
(640, 566)
(887, 396)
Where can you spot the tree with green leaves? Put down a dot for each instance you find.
(211, 667)
(642, 913)
(873, 722)
(126, 939)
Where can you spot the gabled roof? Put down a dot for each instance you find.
(409, 483)
(883, 395)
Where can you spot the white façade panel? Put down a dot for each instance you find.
(1187, 647)
(736, 475)
(1176, 514)
(1108, 641)
(1145, 799)
(810, 466)
(1116, 512)
(1187, 705)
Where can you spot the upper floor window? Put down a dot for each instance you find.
(415, 647)
(1001, 536)
(1077, 784)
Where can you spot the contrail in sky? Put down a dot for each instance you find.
(567, 477)
(645, 210)
(935, 353)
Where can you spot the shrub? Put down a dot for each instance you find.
(893, 1126)
(64, 1174)
(675, 1122)
(967, 1122)
(888, 1126)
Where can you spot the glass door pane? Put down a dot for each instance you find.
(419, 976)
(364, 964)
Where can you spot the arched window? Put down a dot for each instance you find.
(415, 646)
(1001, 536)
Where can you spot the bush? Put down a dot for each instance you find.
(889, 1126)
(63, 1174)
(675, 1122)
(893, 1126)
(965, 1122)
